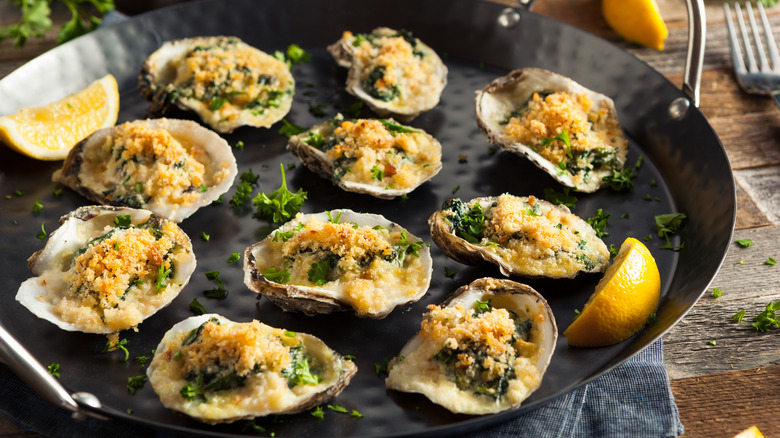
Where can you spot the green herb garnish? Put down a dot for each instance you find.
(745, 243)
(37, 207)
(123, 220)
(289, 129)
(563, 137)
(599, 223)
(117, 345)
(162, 274)
(716, 293)
(196, 308)
(42, 234)
(560, 198)
(620, 181)
(281, 204)
(234, 257)
(277, 275)
(54, 370)
(135, 383)
(667, 225)
(219, 292)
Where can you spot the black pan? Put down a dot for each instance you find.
(683, 155)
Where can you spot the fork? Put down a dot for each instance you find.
(754, 79)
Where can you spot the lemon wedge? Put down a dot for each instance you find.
(637, 21)
(622, 302)
(49, 132)
(750, 432)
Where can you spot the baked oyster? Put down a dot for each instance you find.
(565, 129)
(378, 157)
(339, 260)
(522, 235)
(220, 371)
(171, 167)
(225, 81)
(393, 72)
(106, 269)
(484, 351)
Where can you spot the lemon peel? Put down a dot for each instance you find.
(638, 21)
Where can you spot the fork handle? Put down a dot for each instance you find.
(694, 60)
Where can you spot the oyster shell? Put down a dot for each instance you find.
(339, 260)
(377, 157)
(508, 322)
(394, 73)
(106, 269)
(220, 371)
(522, 235)
(171, 167)
(225, 81)
(565, 129)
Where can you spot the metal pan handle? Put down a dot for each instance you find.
(694, 59)
(31, 371)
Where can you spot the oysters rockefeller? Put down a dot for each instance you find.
(379, 157)
(567, 130)
(393, 72)
(219, 371)
(171, 167)
(485, 351)
(106, 269)
(522, 235)
(339, 260)
(225, 81)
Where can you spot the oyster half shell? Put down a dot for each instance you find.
(378, 157)
(507, 322)
(106, 269)
(220, 371)
(225, 81)
(171, 167)
(567, 130)
(339, 260)
(393, 72)
(521, 235)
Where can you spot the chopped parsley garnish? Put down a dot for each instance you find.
(290, 334)
(356, 415)
(613, 250)
(449, 273)
(123, 220)
(767, 319)
(318, 413)
(639, 161)
(770, 261)
(196, 307)
(234, 257)
(217, 201)
(333, 220)
(468, 224)
(281, 204)
(560, 198)
(299, 372)
(289, 129)
(243, 194)
(737, 317)
(651, 318)
(251, 426)
(277, 275)
(711, 342)
(205, 236)
(204, 188)
(620, 181)
(117, 345)
(354, 109)
(625, 215)
(135, 383)
(563, 137)
(653, 183)
(482, 307)
(338, 408)
(381, 368)
(162, 274)
(219, 292)
(239, 144)
(42, 234)
(314, 139)
(249, 177)
(745, 243)
(19, 193)
(318, 274)
(648, 238)
(217, 103)
(296, 54)
(57, 192)
(189, 392)
(376, 173)
(37, 207)
(647, 198)
(142, 360)
(54, 370)
(667, 225)
(716, 293)
(599, 222)
(455, 189)
(395, 128)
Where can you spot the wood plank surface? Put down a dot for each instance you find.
(723, 388)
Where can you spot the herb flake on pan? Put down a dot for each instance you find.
(135, 383)
(234, 257)
(560, 198)
(667, 225)
(599, 222)
(621, 181)
(219, 292)
(745, 243)
(117, 345)
(54, 370)
(196, 308)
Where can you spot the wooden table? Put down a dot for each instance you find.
(720, 389)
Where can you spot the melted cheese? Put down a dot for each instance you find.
(140, 166)
(114, 282)
(371, 269)
(377, 156)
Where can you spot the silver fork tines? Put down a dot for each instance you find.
(755, 78)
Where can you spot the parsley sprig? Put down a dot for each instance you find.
(667, 225)
(35, 21)
(281, 205)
